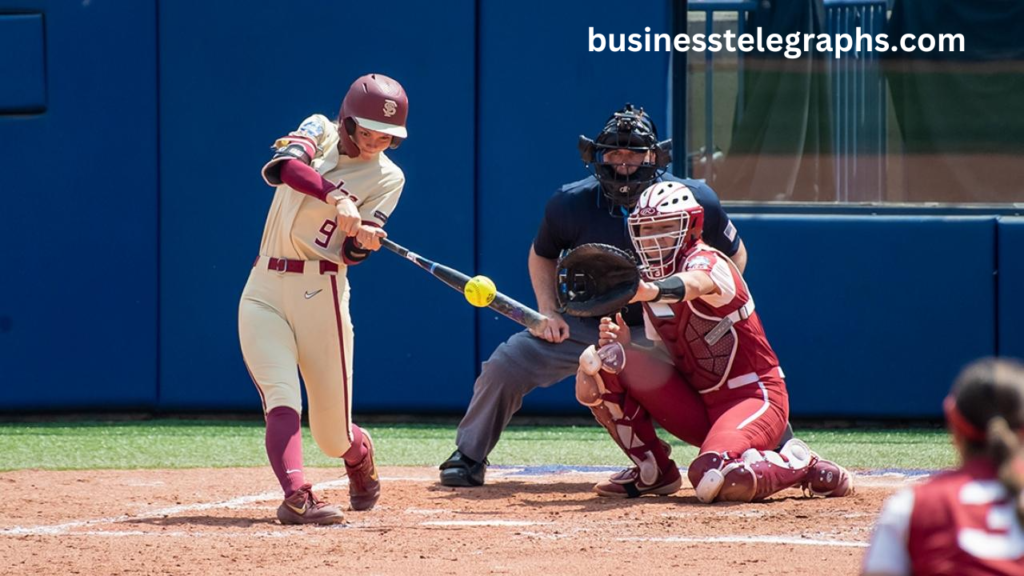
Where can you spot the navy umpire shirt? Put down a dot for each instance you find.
(578, 213)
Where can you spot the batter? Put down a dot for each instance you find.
(335, 189)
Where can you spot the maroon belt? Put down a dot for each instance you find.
(296, 266)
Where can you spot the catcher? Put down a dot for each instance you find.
(712, 380)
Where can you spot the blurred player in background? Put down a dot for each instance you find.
(335, 191)
(713, 380)
(970, 520)
(626, 157)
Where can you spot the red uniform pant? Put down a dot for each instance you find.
(730, 419)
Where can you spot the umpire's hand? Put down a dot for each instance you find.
(553, 329)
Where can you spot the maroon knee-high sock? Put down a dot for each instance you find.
(284, 448)
(356, 452)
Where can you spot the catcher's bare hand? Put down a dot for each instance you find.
(613, 331)
(348, 218)
(553, 328)
(646, 292)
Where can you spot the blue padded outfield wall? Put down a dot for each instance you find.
(1011, 283)
(122, 293)
(78, 292)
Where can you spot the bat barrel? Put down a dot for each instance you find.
(502, 304)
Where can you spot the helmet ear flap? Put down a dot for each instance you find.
(588, 149)
(663, 154)
(350, 126)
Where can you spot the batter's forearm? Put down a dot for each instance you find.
(306, 179)
(542, 277)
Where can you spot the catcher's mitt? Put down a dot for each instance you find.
(596, 280)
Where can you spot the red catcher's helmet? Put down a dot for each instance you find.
(674, 205)
(374, 102)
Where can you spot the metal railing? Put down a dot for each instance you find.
(858, 102)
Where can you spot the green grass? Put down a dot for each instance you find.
(171, 443)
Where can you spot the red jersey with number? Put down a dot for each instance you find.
(963, 523)
(718, 336)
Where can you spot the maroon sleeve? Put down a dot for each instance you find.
(306, 179)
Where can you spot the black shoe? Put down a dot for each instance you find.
(460, 470)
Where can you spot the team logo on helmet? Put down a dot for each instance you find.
(390, 107)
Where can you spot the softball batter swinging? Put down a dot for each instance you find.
(335, 189)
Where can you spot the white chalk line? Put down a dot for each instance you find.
(180, 534)
(746, 540)
(69, 528)
(495, 522)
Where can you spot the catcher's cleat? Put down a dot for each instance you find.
(363, 483)
(828, 479)
(627, 484)
(461, 470)
(304, 507)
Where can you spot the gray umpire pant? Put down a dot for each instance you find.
(516, 367)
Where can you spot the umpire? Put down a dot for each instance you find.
(626, 158)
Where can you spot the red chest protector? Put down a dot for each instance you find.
(713, 344)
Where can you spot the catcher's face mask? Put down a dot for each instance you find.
(666, 222)
(658, 240)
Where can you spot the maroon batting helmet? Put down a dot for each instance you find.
(374, 102)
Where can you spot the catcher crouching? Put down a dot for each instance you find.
(712, 380)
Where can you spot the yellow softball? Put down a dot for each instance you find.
(480, 291)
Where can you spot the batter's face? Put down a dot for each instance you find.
(370, 142)
(626, 161)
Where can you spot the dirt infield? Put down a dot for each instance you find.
(214, 522)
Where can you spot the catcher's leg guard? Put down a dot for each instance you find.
(714, 475)
(828, 479)
(776, 471)
(756, 475)
(633, 431)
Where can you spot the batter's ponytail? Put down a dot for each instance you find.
(1006, 450)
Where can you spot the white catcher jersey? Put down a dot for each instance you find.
(302, 227)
